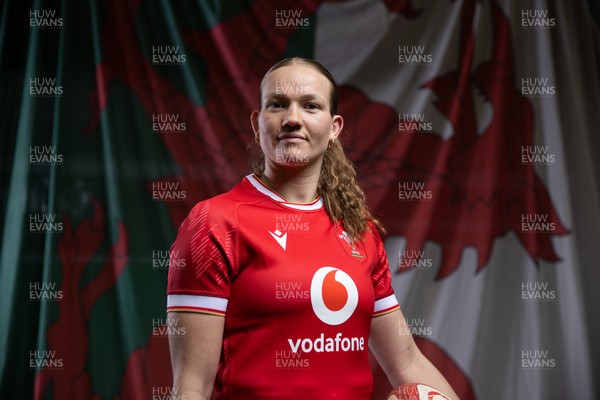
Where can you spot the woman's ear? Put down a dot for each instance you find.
(254, 121)
(337, 124)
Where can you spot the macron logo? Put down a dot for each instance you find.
(280, 237)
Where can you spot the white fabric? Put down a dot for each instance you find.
(480, 318)
(205, 302)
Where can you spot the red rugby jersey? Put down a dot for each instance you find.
(296, 295)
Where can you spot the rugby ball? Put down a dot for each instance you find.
(416, 391)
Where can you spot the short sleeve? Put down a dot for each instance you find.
(385, 299)
(201, 263)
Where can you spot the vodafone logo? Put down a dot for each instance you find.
(333, 295)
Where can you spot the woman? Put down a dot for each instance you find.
(286, 283)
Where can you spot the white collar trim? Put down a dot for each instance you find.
(258, 185)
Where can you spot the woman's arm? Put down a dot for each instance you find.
(195, 354)
(399, 356)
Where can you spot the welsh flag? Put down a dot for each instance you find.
(471, 123)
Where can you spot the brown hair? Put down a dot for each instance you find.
(344, 200)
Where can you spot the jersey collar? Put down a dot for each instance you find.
(258, 185)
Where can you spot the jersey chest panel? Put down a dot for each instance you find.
(280, 253)
(303, 298)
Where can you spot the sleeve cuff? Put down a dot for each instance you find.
(194, 303)
(386, 305)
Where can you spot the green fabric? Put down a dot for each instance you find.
(112, 165)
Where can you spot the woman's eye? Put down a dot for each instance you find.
(274, 104)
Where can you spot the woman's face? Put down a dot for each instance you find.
(295, 123)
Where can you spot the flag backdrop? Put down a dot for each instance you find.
(473, 126)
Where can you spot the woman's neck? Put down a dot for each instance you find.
(297, 185)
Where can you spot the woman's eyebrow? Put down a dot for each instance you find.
(283, 96)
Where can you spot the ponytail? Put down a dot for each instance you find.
(344, 200)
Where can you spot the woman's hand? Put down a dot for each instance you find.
(400, 358)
